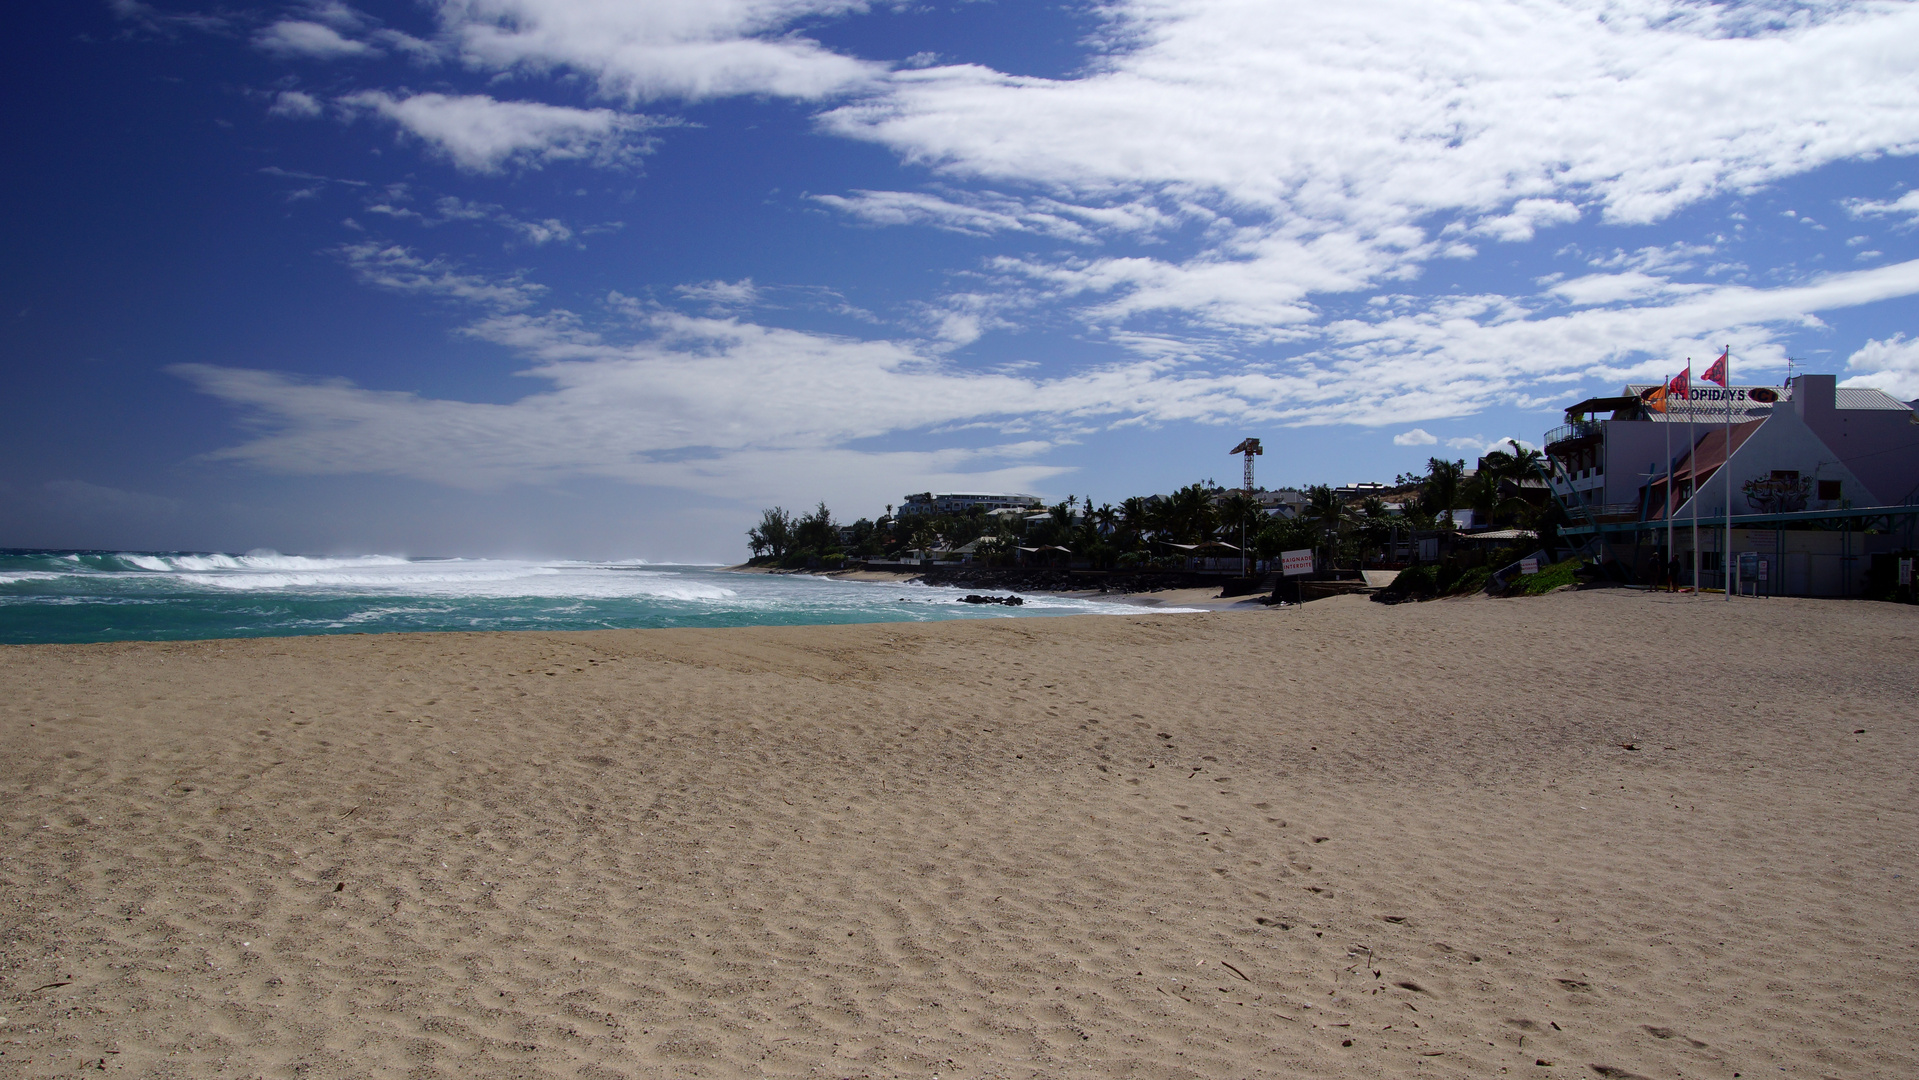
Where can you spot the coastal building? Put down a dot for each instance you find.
(1817, 480)
(960, 502)
(1605, 462)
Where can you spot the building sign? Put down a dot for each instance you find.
(1296, 562)
(1706, 402)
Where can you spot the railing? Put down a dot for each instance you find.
(1578, 429)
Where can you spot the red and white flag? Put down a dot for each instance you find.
(1717, 372)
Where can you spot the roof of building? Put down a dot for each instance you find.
(1865, 397)
(1601, 404)
(1501, 534)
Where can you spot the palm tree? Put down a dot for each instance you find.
(1323, 506)
(1440, 487)
(1187, 515)
(1135, 517)
(1519, 463)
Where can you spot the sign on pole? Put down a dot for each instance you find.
(1296, 562)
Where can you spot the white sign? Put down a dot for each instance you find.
(1905, 571)
(1529, 566)
(1296, 562)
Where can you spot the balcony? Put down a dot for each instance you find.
(1577, 429)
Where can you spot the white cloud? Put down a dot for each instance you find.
(705, 404)
(662, 48)
(451, 208)
(1480, 447)
(659, 397)
(312, 40)
(1616, 288)
(1344, 146)
(741, 293)
(1456, 356)
(1906, 206)
(1370, 114)
(294, 105)
(1670, 258)
(980, 214)
(1415, 437)
(481, 134)
(544, 231)
(1891, 365)
(1527, 216)
(391, 266)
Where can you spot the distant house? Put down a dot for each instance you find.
(1284, 502)
(960, 502)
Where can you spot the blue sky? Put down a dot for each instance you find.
(601, 278)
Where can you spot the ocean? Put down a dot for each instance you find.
(84, 596)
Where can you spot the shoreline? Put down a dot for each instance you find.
(1205, 598)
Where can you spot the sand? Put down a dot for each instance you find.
(1585, 834)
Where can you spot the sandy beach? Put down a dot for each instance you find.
(1594, 834)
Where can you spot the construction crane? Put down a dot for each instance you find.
(1250, 448)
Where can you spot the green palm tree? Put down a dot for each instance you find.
(1440, 489)
(1187, 515)
(1324, 509)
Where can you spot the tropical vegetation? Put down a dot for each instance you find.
(1155, 532)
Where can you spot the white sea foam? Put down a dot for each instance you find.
(267, 592)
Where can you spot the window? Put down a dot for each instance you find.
(1828, 491)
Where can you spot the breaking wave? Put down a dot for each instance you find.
(149, 595)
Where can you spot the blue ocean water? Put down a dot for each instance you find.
(80, 596)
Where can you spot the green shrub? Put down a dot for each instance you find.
(1414, 581)
(1548, 579)
(1470, 580)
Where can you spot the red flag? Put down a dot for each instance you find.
(1717, 372)
(1681, 385)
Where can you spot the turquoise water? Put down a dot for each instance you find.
(78, 596)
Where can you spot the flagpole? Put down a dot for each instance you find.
(1672, 553)
(1725, 469)
(1692, 455)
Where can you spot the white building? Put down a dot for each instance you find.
(960, 502)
